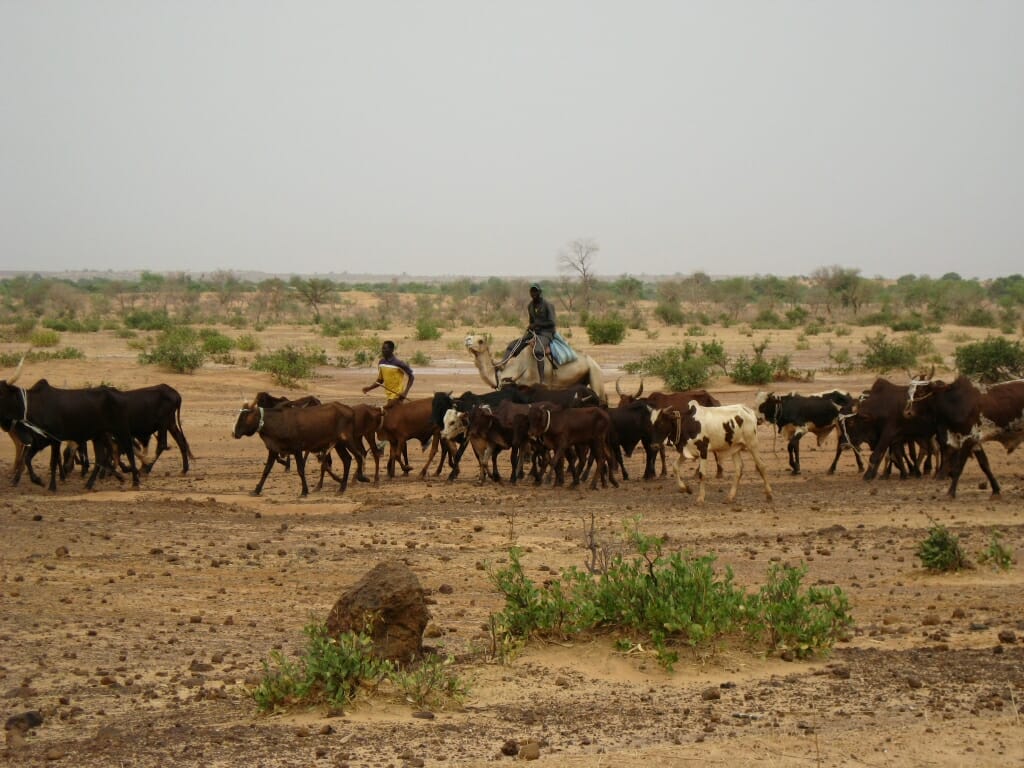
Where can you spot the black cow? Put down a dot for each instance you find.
(78, 415)
(795, 415)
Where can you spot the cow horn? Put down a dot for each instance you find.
(618, 390)
(17, 371)
(641, 390)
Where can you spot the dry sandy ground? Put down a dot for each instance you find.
(137, 621)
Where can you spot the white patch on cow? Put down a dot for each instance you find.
(454, 424)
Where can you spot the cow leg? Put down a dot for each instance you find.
(272, 459)
(680, 480)
(737, 467)
(458, 459)
(794, 453)
(346, 464)
(435, 441)
(761, 471)
(982, 457)
(300, 468)
(661, 453)
(183, 447)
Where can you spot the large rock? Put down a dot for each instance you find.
(387, 604)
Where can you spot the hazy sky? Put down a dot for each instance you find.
(481, 137)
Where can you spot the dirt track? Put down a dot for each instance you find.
(137, 620)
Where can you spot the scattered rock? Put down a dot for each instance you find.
(1007, 636)
(23, 722)
(510, 748)
(711, 694)
(529, 751)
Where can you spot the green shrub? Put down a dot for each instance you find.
(247, 343)
(755, 370)
(72, 325)
(994, 359)
(996, 553)
(669, 314)
(44, 338)
(11, 359)
(797, 315)
(215, 342)
(148, 320)
(883, 355)
(178, 349)
(681, 367)
(289, 364)
(333, 670)
(427, 330)
(419, 358)
(979, 317)
(670, 600)
(23, 327)
(357, 342)
(802, 623)
(941, 551)
(766, 319)
(610, 329)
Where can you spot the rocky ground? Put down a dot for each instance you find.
(137, 622)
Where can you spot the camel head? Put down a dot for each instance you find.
(477, 345)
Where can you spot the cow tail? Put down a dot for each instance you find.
(177, 419)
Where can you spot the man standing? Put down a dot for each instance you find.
(393, 374)
(542, 323)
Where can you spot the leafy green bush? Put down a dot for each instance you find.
(941, 551)
(883, 355)
(247, 343)
(669, 314)
(685, 367)
(45, 338)
(178, 349)
(670, 600)
(757, 369)
(10, 359)
(996, 553)
(979, 317)
(358, 342)
(333, 670)
(73, 325)
(610, 329)
(148, 320)
(767, 319)
(801, 623)
(215, 342)
(994, 359)
(419, 358)
(289, 364)
(427, 330)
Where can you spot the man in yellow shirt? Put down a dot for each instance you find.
(393, 374)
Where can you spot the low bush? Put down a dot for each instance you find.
(941, 551)
(44, 338)
(419, 358)
(178, 349)
(73, 325)
(671, 601)
(992, 360)
(883, 355)
(685, 367)
(10, 359)
(427, 330)
(289, 364)
(996, 553)
(610, 329)
(215, 342)
(148, 320)
(247, 343)
(333, 670)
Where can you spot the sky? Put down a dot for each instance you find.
(478, 137)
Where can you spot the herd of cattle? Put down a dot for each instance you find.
(910, 427)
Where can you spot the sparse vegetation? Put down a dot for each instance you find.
(288, 365)
(941, 551)
(671, 600)
(179, 349)
(992, 360)
(610, 329)
(996, 553)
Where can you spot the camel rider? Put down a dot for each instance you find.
(542, 325)
(393, 374)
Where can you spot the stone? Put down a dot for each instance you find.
(387, 604)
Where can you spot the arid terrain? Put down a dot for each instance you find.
(138, 621)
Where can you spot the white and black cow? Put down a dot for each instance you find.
(699, 431)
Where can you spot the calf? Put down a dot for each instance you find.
(562, 428)
(725, 430)
(410, 420)
(298, 431)
(631, 424)
(883, 407)
(795, 415)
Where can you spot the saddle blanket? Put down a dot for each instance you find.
(561, 351)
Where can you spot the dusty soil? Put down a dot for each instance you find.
(138, 621)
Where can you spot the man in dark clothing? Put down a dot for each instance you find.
(542, 324)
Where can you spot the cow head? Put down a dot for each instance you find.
(454, 424)
(539, 420)
(766, 406)
(249, 421)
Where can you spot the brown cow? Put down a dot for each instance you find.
(560, 429)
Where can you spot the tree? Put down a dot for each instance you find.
(315, 292)
(844, 287)
(577, 259)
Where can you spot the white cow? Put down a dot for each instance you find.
(725, 430)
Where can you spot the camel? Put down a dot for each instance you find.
(523, 369)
